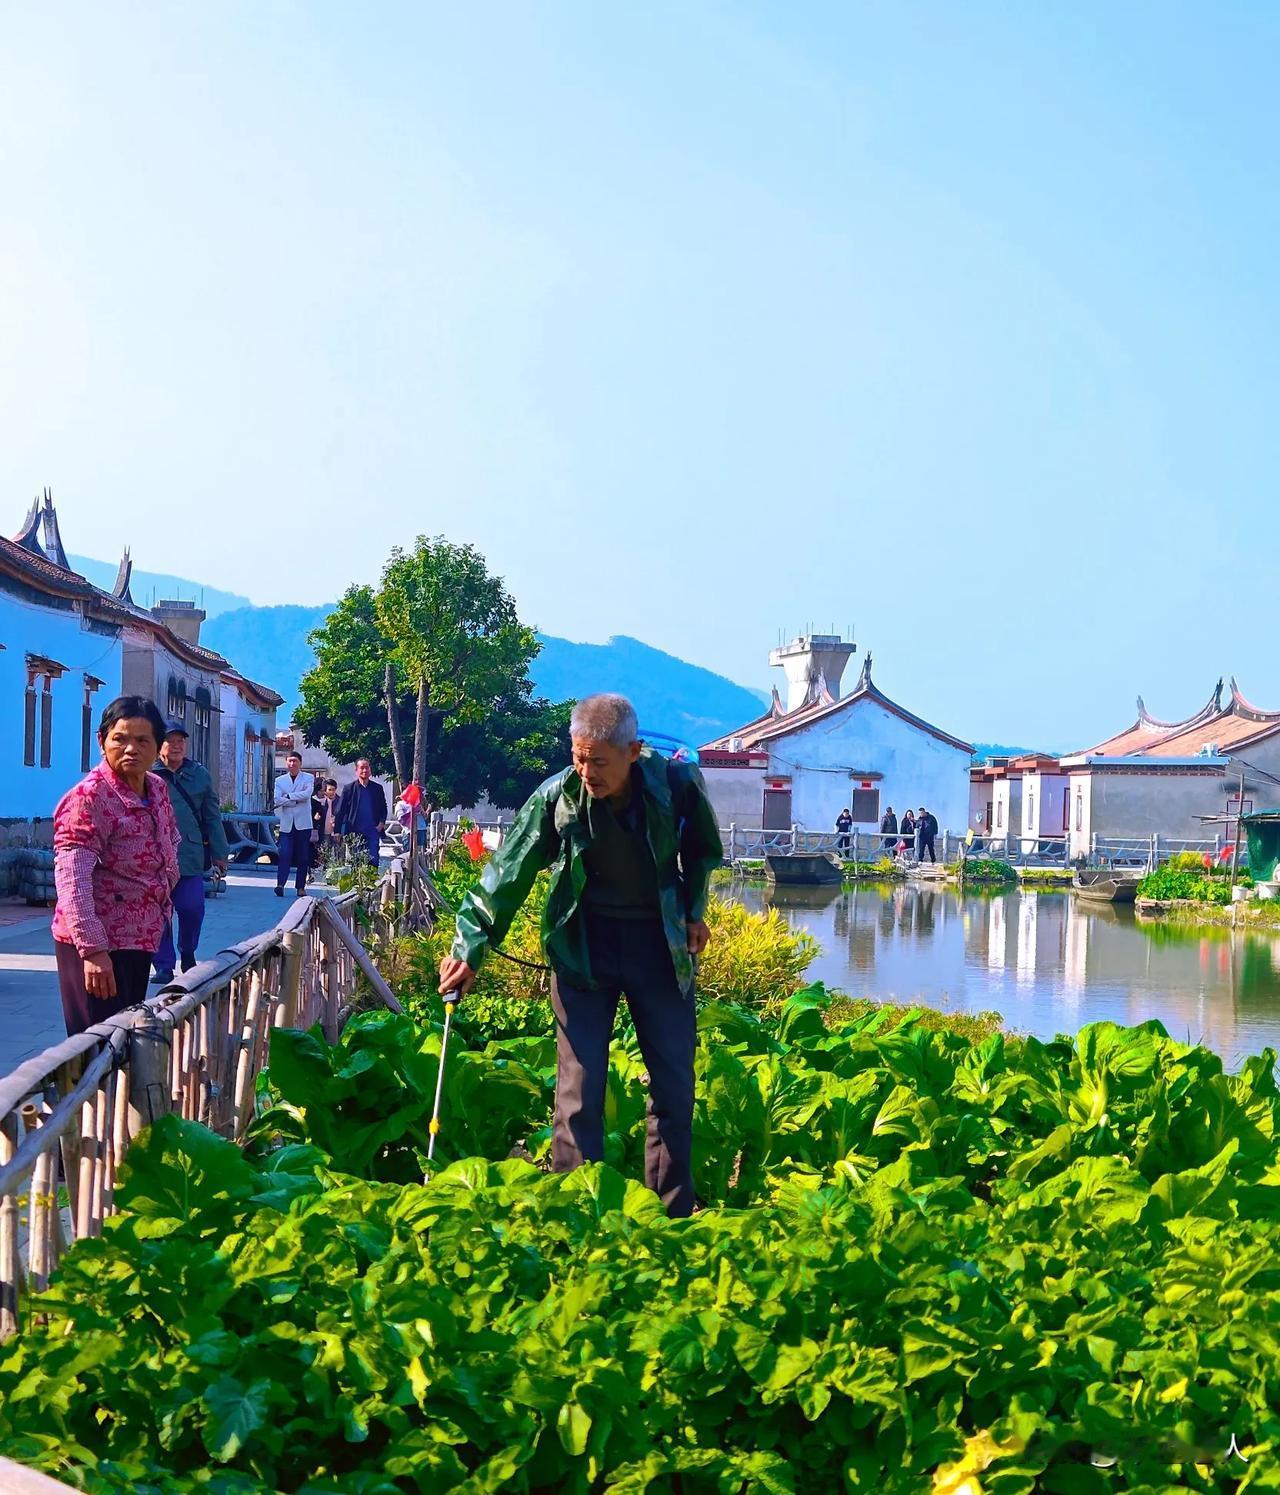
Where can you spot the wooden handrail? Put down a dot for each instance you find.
(68, 1115)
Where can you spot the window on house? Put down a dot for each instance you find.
(46, 723)
(202, 727)
(999, 814)
(865, 807)
(29, 723)
(246, 777)
(1031, 812)
(268, 767)
(1079, 809)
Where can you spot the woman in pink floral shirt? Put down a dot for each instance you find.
(115, 845)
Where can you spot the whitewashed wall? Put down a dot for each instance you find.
(917, 768)
(737, 795)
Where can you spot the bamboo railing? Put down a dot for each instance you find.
(68, 1115)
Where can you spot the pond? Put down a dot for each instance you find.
(1045, 961)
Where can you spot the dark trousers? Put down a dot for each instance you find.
(842, 842)
(79, 1009)
(628, 957)
(926, 844)
(295, 852)
(371, 840)
(188, 904)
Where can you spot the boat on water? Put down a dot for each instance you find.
(802, 870)
(1106, 885)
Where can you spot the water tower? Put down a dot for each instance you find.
(810, 659)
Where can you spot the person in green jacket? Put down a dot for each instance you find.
(632, 840)
(204, 845)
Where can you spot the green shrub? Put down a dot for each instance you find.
(988, 869)
(753, 958)
(1176, 880)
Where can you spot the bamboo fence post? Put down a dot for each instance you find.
(332, 988)
(39, 1241)
(290, 978)
(150, 1096)
(10, 1262)
(69, 1145)
(203, 1056)
(244, 1059)
(88, 1164)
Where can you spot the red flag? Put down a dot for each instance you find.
(412, 796)
(474, 842)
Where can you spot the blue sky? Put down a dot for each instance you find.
(957, 323)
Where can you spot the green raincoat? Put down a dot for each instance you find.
(551, 831)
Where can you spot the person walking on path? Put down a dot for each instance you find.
(293, 806)
(204, 845)
(907, 833)
(889, 829)
(632, 840)
(324, 820)
(115, 863)
(844, 824)
(926, 830)
(362, 810)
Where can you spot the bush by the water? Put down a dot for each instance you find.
(988, 869)
(1186, 876)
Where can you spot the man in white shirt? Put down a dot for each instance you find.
(293, 805)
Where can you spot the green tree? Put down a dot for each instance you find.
(344, 696)
(458, 641)
(437, 657)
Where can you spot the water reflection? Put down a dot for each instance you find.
(1044, 960)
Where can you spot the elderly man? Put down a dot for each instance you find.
(204, 845)
(632, 840)
(362, 810)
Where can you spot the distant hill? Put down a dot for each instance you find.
(269, 645)
(152, 586)
(669, 694)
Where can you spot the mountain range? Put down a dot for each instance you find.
(271, 645)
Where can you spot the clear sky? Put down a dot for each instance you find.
(954, 322)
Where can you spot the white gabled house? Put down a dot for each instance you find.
(802, 763)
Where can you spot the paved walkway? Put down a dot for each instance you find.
(30, 1008)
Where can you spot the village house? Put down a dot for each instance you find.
(803, 762)
(1175, 779)
(68, 647)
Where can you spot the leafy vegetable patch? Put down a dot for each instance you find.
(923, 1263)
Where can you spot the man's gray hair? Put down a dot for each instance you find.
(605, 718)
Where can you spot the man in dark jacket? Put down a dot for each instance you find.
(844, 824)
(362, 810)
(926, 830)
(632, 840)
(889, 829)
(204, 845)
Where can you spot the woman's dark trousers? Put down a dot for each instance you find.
(80, 1010)
(629, 957)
